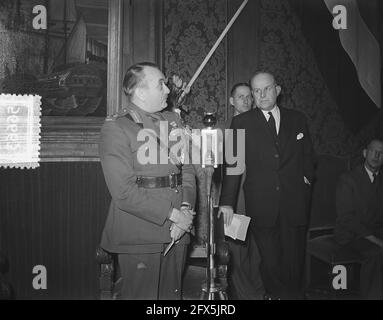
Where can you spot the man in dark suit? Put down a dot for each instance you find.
(359, 225)
(279, 170)
(244, 275)
(152, 195)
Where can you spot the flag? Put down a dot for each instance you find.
(362, 48)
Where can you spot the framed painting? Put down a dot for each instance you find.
(73, 54)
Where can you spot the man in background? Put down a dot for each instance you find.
(244, 274)
(359, 225)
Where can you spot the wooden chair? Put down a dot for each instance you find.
(321, 244)
(109, 276)
(110, 280)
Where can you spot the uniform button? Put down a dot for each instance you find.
(276, 155)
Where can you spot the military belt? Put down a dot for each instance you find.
(171, 181)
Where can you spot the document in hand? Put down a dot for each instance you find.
(238, 227)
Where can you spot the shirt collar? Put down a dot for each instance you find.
(273, 111)
(369, 172)
(141, 112)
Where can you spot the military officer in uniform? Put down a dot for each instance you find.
(152, 203)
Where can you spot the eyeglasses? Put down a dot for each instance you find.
(261, 92)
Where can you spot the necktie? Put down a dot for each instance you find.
(272, 125)
(374, 177)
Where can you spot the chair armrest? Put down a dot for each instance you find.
(107, 273)
(319, 231)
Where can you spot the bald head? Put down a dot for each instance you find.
(145, 86)
(263, 74)
(265, 90)
(375, 143)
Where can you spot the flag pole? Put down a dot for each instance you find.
(217, 43)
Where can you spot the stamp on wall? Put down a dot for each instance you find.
(20, 126)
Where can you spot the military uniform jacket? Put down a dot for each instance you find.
(137, 221)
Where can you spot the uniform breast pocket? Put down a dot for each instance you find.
(135, 145)
(147, 152)
(141, 153)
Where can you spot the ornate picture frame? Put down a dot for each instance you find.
(76, 138)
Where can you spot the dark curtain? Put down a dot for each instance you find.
(336, 67)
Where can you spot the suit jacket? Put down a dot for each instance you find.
(137, 219)
(359, 205)
(275, 168)
(239, 206)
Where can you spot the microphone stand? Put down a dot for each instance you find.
(210, 288)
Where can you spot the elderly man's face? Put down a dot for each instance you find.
(265, 91)
(155, 91)
(374, 155)
(242, 99)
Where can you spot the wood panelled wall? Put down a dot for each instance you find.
(53, 216)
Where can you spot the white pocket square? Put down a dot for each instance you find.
(300, 136)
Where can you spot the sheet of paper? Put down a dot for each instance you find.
(242, 230)
(238, 227)
(231, 231)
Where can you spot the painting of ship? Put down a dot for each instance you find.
(75, 81)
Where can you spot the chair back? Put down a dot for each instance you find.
(323, 208)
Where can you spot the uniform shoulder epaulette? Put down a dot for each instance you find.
(117, 115)
(122, 113)
(112, 117)
(131, 114)
(134, 116)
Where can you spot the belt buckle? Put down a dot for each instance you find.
(139, 181)
(173, 179)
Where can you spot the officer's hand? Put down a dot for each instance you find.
(192, 214)
(183, 219)
(176, 233)
(186, 210)
(228, 214)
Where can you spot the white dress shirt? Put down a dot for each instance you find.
(370, 174)
(276, 114)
